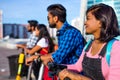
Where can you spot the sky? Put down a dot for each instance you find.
(20, 11)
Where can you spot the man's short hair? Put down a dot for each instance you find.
(58, 10)
(33, 23)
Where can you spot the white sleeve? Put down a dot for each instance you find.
(43, 42)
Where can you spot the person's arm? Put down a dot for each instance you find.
(21, 45)
(40, 44)
(72, 75)
(33, 50)
(114, 71)
(46, 58)
(78, 65)
(30, 59)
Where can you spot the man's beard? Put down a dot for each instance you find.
(29, 30)
(52, 25)
(87, 33)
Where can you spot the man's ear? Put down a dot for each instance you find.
(56, 18)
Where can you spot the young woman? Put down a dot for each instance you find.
(102, 23)
(44, 45)
(44, 40)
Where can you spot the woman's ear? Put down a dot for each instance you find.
(99, 24)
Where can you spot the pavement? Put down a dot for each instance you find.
(5, 70)
(8, 58)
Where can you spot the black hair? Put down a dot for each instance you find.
(44, 33)
(58, 10)
(33, 23)
(109, 24)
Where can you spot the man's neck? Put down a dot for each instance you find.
(59, 25)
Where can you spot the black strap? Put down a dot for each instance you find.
(103, 51)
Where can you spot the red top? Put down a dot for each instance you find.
(44, 51)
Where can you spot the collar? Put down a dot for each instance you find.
(65, 24)
(62, 29)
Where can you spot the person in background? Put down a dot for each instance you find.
(30, 44)
(102, 23)
(32, 39)
(44, 45)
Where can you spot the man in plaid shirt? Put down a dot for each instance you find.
(32, 39)
(31, 28)
(70, 40)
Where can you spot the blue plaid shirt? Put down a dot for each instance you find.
(70, 42)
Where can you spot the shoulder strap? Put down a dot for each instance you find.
(118, 37)
(87, 46)
(103, 51)
(109, 48)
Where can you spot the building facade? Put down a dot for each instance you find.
(15, 31)
(1, 26)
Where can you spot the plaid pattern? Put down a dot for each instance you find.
(70, 44)
(32, 41)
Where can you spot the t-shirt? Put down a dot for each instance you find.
(42, 42)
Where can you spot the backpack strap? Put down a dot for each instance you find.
(109, 48)
(118, 37)
(87, 46)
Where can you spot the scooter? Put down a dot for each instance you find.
(20, 63)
